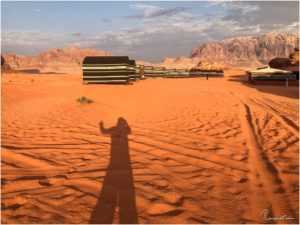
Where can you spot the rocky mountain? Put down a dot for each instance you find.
(236, 52)
(52, 60)
(180, 62)
(210, 65)
(294, 57)
(4, 66)
(248, 51)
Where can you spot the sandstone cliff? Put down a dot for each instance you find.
(248, 51)
(52, 60)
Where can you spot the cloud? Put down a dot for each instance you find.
(137, 16)
(168, 31)
(77, 34)
(167, 12)
(162, 32)
(31, 42)
(263, 14)
(151, 11)
(144, 6)
(106, 20)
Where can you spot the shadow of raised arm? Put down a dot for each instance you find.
(105, 130)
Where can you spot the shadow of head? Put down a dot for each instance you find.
(122, 126)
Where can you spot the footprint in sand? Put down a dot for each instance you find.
(45, 182)
(158, 209)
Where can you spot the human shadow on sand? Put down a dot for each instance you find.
(118, 185)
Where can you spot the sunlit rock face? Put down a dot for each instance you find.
(54, 59)
(248, 51)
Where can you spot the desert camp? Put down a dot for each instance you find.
(119, 69)
(150, 112)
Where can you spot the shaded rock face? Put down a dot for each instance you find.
(54, 59)
(279, 62)
(294, 57)
(292, 61)
(248, 51)
(4, 66)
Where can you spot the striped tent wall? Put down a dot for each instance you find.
(148, 71)
(106, 69)
(204, 73)
(140, 71)
(177, 73)
(271, 76)
(151, 71)
(135, 75)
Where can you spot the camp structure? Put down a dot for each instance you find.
(267, 74)
(148, 71)
(139, 70)
(135, 75)
(151, 71)
(205, 73)
(177, 73)
(106, 69)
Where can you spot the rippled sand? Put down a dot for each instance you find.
(169, 151)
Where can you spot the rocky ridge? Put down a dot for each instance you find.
(248, 51)
(54, 59)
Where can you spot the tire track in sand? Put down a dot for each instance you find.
(268, 192)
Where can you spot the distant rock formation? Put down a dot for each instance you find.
(290, 64)
(248, 51)
(2, 61)
(293, 60)
(294, 57)
(210, 65)
(279, 62)
(53, 60)
(236, 52)
(180, 62)
(4, 66)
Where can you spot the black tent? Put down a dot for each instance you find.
(132, 62)
(106, 69)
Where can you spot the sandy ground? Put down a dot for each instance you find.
(167, 151)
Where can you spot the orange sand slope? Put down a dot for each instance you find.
(168, 151)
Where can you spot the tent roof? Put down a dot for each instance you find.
(269, 70)
(106, 60)
(132, 62)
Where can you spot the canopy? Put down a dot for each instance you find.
(268, 70)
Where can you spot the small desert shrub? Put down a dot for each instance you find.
(84, 100)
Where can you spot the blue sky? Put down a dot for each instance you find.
(143, 30)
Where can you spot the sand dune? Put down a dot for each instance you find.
(187, 151)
